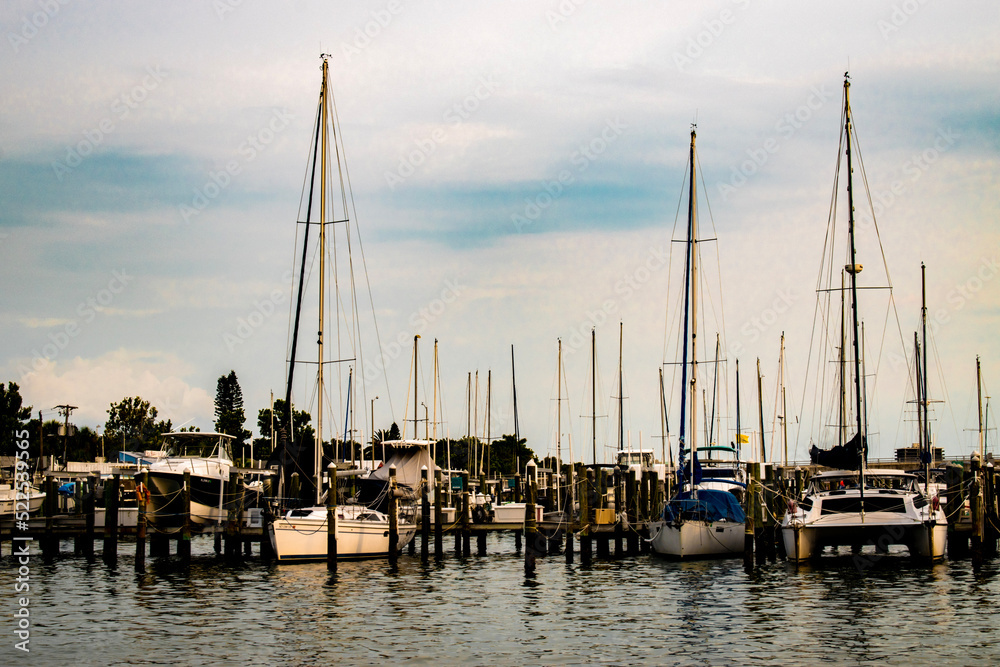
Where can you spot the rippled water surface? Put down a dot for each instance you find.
(485, 610)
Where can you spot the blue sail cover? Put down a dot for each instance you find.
(704, 505)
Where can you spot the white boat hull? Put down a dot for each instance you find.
(697, 539)
(30, 502)
(360, 534)
(803, 540)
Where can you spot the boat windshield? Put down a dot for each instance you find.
(872, 481)
(206, 448)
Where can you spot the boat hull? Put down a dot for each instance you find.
(697, 539)
(29, 502)
(359, 535)
(925, 540)
(166, 500)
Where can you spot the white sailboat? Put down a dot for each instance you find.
(362, 529)
(854, 506)
(698, 521)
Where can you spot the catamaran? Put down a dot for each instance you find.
(854, 506)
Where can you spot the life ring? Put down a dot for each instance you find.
(142, 493)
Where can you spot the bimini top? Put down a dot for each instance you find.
(704, 505)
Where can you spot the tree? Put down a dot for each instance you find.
(229, 414)
(303, 430)
(509, 455)
(13, 416)
(132, 425)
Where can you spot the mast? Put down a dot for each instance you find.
(513, 383)
(784, 405)
(593, 389)
(923, 405)
(318, 456)
(489, 388)
(760, 407)
(621, 393)
(690, 318)
(739, 432)
(416, 433)
(979, 400)
(559, 420)
(853, 269)
(437, 380)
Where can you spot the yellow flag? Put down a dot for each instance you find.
(743, 439)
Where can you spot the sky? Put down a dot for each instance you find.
(518, 173)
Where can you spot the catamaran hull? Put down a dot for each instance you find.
(924, 540)
(697, 539)
(302, 539)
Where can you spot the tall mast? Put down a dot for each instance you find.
(739, 432)
(593, 390)
(760, 407)
(693, 226)
(437, 379)
(559, 420)
(853, 269)
(489, 388)
(318, 456)
(513, 384)
(621, 393)
(784, 408)
(927, 453)
(979, 399)
(416, 418)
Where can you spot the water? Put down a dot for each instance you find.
(484, 610)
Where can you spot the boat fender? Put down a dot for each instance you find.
(792, 506)
(936, 502)
(142, 492)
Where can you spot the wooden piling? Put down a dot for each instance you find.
(393, 517)
(438, 519)
(571, 511)
(466, 516)
(458, 513)
(111, 520)
(749, 531)
(89, 504)
(78, 511)
(331, 520)
(425, 514)
(586, 486)
(632, 512)
(140, 524)
(530, 528)
(976, 507)
(769, 513)
(50, 546)
(759, 533)
(232, 546)
(184, 543)
(621, 509)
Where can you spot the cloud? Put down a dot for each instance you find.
(93, 384)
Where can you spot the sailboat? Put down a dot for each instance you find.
(697, 521)
(362, 530)
(854, 506)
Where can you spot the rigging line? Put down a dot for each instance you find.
(364, 264)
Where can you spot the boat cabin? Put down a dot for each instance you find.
(196, 445)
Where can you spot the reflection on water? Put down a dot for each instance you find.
(486, 610)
